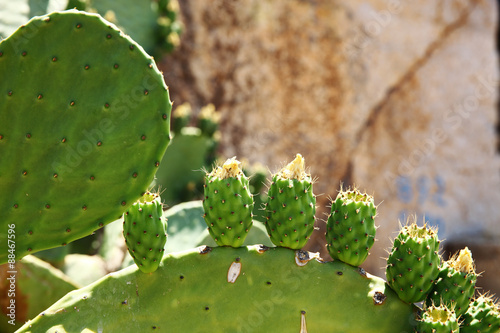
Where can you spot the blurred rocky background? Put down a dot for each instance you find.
(397, 97)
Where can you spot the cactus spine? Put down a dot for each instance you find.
(350, 231)
(438, 319)
(413, 264)
(145, 232)
(228, 204)
(456, 283)
(291, 206)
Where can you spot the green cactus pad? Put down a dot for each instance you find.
(456, 283)
(291, 206)
(482, 316)
(350, 230)
(247, 289)
(228, 204)
(34, 285)
(438, 319)
(84, 123)
(145, 232)
(413, 264)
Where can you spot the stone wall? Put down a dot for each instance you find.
(398, 97)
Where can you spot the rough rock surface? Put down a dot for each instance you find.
(396, 96)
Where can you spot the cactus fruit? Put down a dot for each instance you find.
(208, 120)
(350, 230)
(456, 283)
(228, 204)
(438, 319)
(181, 117)
(145, 232)
(482, 316)
(291, 206)
(79, 148)
(413, 264)
(248, 289)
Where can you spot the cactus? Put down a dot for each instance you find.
(483, 316)
(16, 13)
(438, 319)
(84, 145)
(186, 226)
(350, 231)
(228, 204)
(145, 232)
(208, 120)
(291, 206)
(456, 283)
(248, 289)
(413, 264)
(180, 117)
(36, 285)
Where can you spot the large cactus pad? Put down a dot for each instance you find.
(84, 123)
(247, 289)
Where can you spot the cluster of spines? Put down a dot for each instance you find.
(438, 319)
(228, 204)
(350, 231)
(456, 283)
(291, 206)
(145, 232)
(413, 264)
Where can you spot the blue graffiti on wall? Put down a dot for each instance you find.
(423, 190)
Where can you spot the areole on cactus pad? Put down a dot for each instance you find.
(82, 128)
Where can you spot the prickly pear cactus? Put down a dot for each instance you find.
(84, 123)
(413, 264)
(34, 285)
(145, 232)
(181, 117)
(208, 120)
(483, 316)
(438, 319)
(291, 206)
(228, 204)
(350, 230)
(456, 283)
(248, 289)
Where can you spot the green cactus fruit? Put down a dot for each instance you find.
(84, 123)
(247, 289)
(145, 232)
(413, 264)
(438, 319)
(482, 316)
(456, 283)
(181, 117)
(291, 206)
(228, 204)
(350, 230)
(208, 120)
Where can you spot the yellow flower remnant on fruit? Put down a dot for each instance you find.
(294, 170)
(463, 262)
(230, 168)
